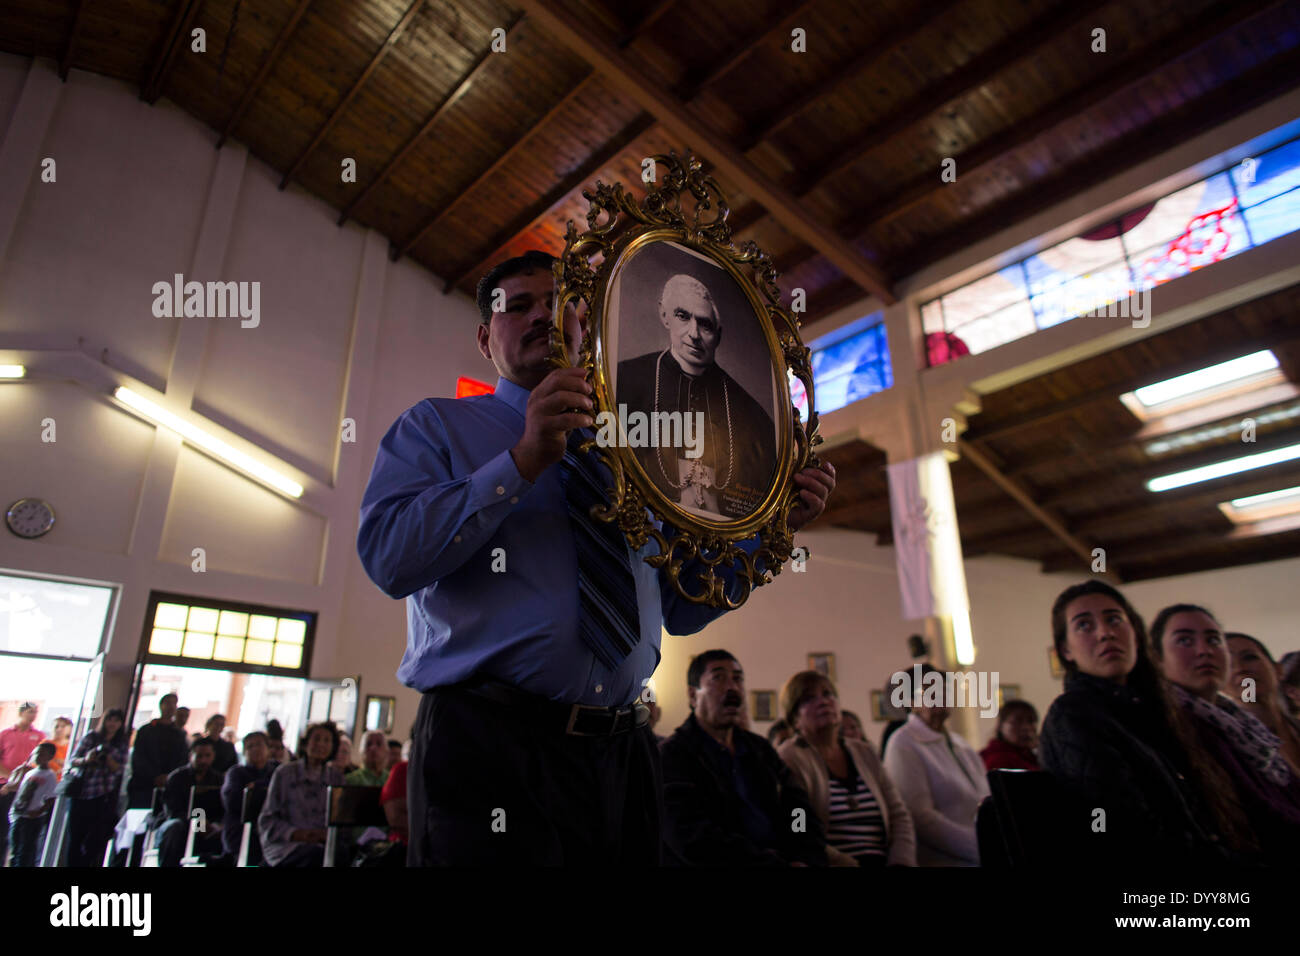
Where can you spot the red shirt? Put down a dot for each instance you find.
(1000, 755)
(394, 789)
(16, 746)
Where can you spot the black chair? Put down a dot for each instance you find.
(250, 843)
(351, 807)
(1029, 821)
(203, 800)
(148, 855)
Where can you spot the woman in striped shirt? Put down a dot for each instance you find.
(864, 817)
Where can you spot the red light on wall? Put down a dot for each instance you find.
(467, 387)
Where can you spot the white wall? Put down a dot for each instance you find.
(140, 195)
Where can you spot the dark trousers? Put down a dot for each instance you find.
(6, 801)
(305, 855)
(487, 786)
(175, 833)
(26, 836)
(90, 826)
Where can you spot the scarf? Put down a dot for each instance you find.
(1254, 743)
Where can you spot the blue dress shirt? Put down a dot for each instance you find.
(444, 506)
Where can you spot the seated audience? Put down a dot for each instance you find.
(1251, 659)
(851, 726)
(373, 771)
(863, 816)
(729, 800)
(394, 752)
(779, 733)
(942, 781)
(224, 749)
(256, 769)
(295, 817)
(1188, 644)
(1111, 741)
(1288, 672)
(30, 809)
(343, 757)
(393, 799)
(160, 747)
(276, 749)
(1016, 739)
(99, 760)
(201, 778)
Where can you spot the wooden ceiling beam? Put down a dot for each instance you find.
(1016, 490)
(491, 250)
(730, 164)
(874, 53)
(1139, 66)
(981, 432)
(1283, 547)
(390, 41)
(269, 61)
(436, 216)
(645, 23)
(439, 111)
(960, 83)
(70, 47)
(176, 37)
(742, 51)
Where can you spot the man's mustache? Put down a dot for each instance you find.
(732, 700)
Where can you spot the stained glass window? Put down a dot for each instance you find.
(1206, 222)
(232, 637)
(847, 370)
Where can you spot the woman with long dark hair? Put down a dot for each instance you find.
(1119, 748)
(1189, 645)
(98, 762)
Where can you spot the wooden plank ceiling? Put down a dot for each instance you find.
(831, 158)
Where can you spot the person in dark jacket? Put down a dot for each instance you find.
(729, 800)
(191, 788)
(1190, 645)
(160, 747)
(1013, 745)
(256, 770)
(224, 749)
(1110, 742)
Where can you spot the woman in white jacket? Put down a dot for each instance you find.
(942, 780)
(862, 814)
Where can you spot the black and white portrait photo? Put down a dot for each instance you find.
(693, 368)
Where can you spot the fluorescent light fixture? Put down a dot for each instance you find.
(1210, 433)
(1269, 498)
(12, 371)
(210, 443)
(1205, 379)
(1222, 469)
(1269, 506)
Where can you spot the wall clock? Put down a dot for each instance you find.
(30, 517)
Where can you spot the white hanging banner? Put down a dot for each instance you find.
(927, 546)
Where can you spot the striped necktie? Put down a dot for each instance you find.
(608, 620)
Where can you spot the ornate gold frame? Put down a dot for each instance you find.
(617, 228)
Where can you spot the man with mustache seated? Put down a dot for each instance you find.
(729, 800)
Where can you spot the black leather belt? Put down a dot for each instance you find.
(580, 720)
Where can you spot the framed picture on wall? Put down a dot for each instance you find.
(883, 710)
(762, 705)
(823, 662)
(1008, 692)
(379, 713)
(1054, 662)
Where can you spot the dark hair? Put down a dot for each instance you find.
(202, 742)
(1170, 720)
(208, 723)
(1254, 640)
(172, 696)
(1161, 624)
(274, 731)
(1009, 708)
(1289, 669)
(253, 734)
(782, 726)
(394, 742)
(530, 261)
(26, 706)
(328, 727)
(47, 747)
(120, 714)
(798, 689)
(695, 673)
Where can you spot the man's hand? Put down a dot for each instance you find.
(815, 486)
(549, 419)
